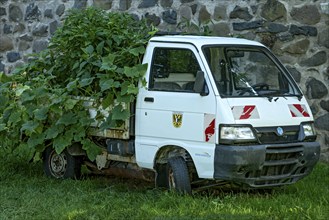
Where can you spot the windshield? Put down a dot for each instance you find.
(248, 72)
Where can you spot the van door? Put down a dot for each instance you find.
(169, 111)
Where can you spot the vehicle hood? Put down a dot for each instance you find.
(262, 112)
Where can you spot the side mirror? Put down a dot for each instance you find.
(200, 84)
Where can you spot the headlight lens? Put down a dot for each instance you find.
(236, 134)
(308, 129)
(307, 132)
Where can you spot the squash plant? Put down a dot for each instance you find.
(95, 55)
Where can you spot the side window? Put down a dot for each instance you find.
(173, 69)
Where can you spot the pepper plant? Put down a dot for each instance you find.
(95, 57)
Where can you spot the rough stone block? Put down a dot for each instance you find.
(39, 45)
(148, 3)
(316, 89)
(15, 13)
(13, 56)
(6, 43)
(323, 38)
(103, 4)
(298, 47)
(2, 67)
(152, 19)
(274, 10)
(80, 4)
(325, 105)
(240, 26)
(322, 122)
(295, 73)
(303, 30)
(166, 3)
(3, 11)
(241, 12)
(53, 27)
(220, 12)
(32, 12)
(40, 30)
(204, 15)
(276, 28)
(124, 5)
(60, 10)
(170, 16)
(185, 13)
(307, 14)
(315, 60)
(48, 13)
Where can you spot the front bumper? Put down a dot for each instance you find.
(263, 166)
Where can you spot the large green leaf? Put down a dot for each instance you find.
(72, 85)
(86, 81)
(61, 142)
(108, 62)
(70, 103)
(14, 118)
(109, 99)
(89, 50)
(41, 114)
(137, 51)
(29, 126)
(91, 148)
(4, 78)
(100, 47)
(120, 113)
(106, 84)
(53, 131)
(21, 88)
(67, 119)
(35, 140)
(3, 127)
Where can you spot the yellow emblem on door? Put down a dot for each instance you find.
(177, 119)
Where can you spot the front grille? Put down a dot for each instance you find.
(269, 135)
(281, 166)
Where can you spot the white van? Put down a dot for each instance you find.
(215, 111)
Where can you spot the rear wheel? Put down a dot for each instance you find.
(61, 166)
(178, 176)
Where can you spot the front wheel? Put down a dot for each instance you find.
(61, 166)
(178, 176)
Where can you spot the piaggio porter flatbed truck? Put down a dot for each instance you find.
(214, 111)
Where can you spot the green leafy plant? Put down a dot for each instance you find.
(95, 57)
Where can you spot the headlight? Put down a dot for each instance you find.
(236, 134)
(308, 129)
(307, 132)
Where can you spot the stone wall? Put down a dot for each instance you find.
(296, 30)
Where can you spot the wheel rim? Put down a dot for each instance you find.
(58, 164)
(171, 180)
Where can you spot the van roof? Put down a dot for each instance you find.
(200, 41)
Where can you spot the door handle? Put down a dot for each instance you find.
(148, 99)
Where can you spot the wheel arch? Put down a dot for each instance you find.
(168, 151)
(161, 159)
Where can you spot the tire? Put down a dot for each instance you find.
(178, 176)
(61, 166)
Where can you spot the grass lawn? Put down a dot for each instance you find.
(27, 194)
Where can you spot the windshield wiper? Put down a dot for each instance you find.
(299, 96)
(271, 94)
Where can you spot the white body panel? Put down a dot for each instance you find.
(155, 128)
(274, 113)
